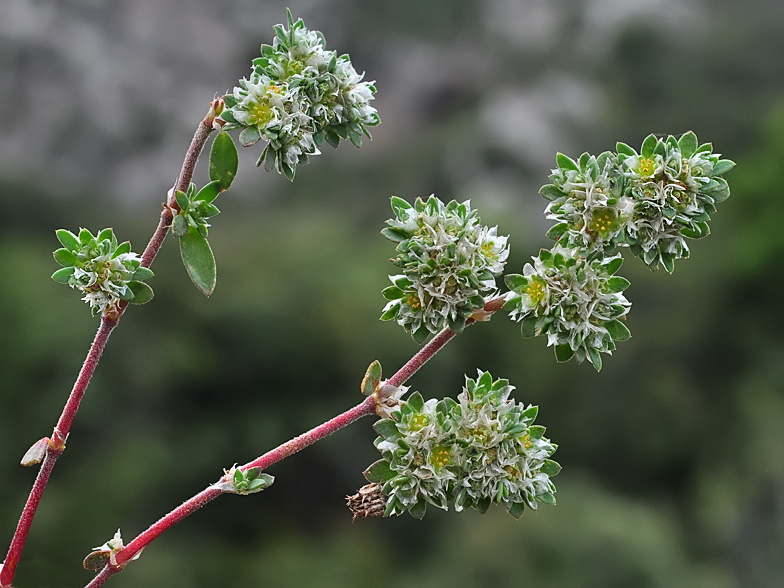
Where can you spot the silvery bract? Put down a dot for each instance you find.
(651, 201)
(574, 301)
(299, 95)
(449, 262)
(103, 270)
(480, 450)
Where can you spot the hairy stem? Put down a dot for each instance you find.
(56, 445)
(368, 406)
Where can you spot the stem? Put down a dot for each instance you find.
(368, 406)
(55, 448)
(108, 322)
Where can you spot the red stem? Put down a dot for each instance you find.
(108, 322)
(368, 406)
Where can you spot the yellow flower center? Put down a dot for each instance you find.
(439, 457)
(647, 167)
(536, 291)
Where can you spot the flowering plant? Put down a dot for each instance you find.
(483, 447)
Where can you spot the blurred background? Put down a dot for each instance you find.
(673, 455)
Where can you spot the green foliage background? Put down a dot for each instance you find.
(673, 455)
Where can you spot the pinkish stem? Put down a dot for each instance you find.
(368, 406)
(108, 322)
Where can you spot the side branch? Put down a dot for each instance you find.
(56, 444)
(368, 406)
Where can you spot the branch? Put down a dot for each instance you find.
(56, 445)
(368, 406)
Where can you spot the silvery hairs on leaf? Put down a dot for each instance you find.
(449, 261)
(297, 96)
(480, 450)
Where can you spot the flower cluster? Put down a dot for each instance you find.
(480, 450)
(299, 95)
(449, 262)
(650, 201)
(103, 270)
(576, 302)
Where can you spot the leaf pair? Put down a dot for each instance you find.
(195, 250)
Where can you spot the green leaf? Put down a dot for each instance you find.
(399, 205)
(223, 160)
(688, 144)
(624, 149)
(68, 239)
(550, 467)
(595, 358)
(722, 166)
(618, 331)
(249, 136)
(182, 200)
(565, 162)
(668, 261)
(418, 510)
(528, 327)
(530, 413)
(420, 335)
(122, 248)
(387, 428)
(288, 171)
(85, 236)
(379, 472)
(199, 261)
(536, 431)
(416, 402)
(557, 231)
(392, 293)
(372, 378)
(547, 498)
(617, 284)
(62, 275)
(105, 235)
(390, 313)
(394, 235)
(563, 353)
(648, 146)
(179, 226)
(142, 293)
(142, 273)
(551, 191)
(209, 192)
(515, 281)
(614, 265)
(517, 509)
(65, 257)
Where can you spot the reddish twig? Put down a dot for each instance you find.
(56, 444)
(368, 406)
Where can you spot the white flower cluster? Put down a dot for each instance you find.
(588, 204)
(449, 262)
(651, 202)
(480, 450)
(574, 301)
(675, 186)
(103, 270)
(299, 95)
